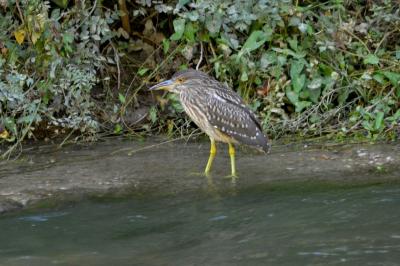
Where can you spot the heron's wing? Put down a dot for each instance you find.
(232, 97)
(227, 112)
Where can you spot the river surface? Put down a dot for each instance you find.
(124, 202)
(285, 224)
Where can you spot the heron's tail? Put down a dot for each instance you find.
(267, 148)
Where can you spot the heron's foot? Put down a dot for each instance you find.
(202, 174)
(197, 174)
(232, 177)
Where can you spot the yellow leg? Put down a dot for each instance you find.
(213, 151)
(232, 155)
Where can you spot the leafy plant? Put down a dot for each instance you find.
(49, 69)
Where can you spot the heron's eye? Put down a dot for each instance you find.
(180, 80)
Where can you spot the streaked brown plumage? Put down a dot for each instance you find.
(217, 110)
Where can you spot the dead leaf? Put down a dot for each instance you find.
(19, 36)
(35, 36)
(263, 91)
(4, 134)
(3, 4)
(324, 157)
(4, 51)
(148, 28)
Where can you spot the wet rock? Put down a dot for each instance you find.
(131, 168)
(7, 205)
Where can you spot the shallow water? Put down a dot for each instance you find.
(259, 225)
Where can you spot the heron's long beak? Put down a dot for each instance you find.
(165, 85)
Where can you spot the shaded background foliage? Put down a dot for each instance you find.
(310, 68)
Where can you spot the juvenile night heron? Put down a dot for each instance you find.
(217, 110)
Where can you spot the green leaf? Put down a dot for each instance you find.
(286, 51)
(296, 68)
(190, 30)
(379, 78)
(301, 105)
(343, 95)
(181, 3)
(10, 125)
(379, 121)
(179, 28)
(371, 59)
(244, 76)
(256, 39)
(68, 38)
(153, 114)
(367, 125)
(293, 44)
(298, 82)
(117, 129)
(325, 69)
(121, 98)
(142, 71)
(314, 94)
(394, 118)
(213, 23)
(61, 3)
(393, 77)
(292, 96)
(166, 45)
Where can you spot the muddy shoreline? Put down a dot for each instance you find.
(46, 175)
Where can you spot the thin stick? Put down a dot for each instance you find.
(89, 15)
(19, 11)
(66, 138)
(150, 146)
(201, 56)
(116, 57)
(358, 38)
(19, 141)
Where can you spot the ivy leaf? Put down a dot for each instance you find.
(213, 24)
(294, 99)
(190, 30)
(314, 95)
(301, 105)
(256, 39)
(292, 96)
(179, 27)
(298, 82)
(371, 59)
(296, 68)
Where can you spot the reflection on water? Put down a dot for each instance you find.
(348, 226)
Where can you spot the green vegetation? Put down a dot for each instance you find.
(310, 68)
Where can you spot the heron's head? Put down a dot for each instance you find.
(182, 80)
